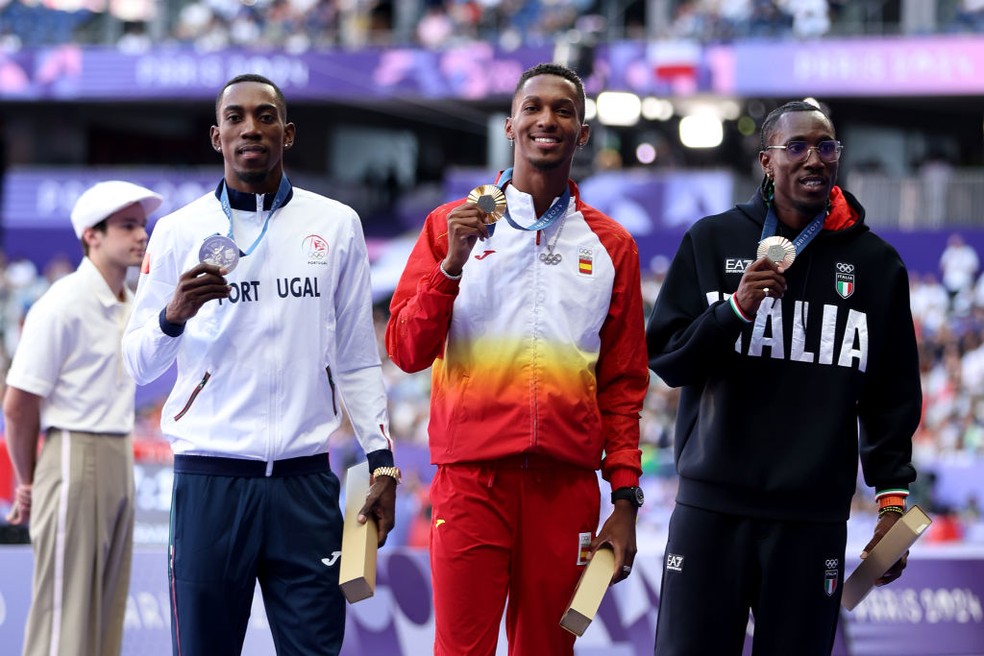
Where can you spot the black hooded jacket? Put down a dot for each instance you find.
(773, 414)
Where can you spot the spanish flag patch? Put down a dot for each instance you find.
(585, 261)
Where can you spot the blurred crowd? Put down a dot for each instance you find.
(947, 305)
(293, 25)
(299, 25)
(949, 314)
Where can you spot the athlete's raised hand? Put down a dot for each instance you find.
(196, 286)
(466, 225)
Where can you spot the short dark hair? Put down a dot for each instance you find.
(769, 124)
(560, 71)
(254, 77)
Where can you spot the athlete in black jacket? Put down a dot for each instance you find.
(788, 371)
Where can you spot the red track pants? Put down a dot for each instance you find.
(508, 528)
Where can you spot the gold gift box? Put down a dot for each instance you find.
(360, 542)
(590, 590)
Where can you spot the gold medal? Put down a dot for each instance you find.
(778, 249)
(490, 200)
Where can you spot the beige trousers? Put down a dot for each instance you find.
(82, 519)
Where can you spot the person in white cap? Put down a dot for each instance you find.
(67, 380)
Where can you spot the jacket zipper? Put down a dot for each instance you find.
(331, 383)
(194, 395)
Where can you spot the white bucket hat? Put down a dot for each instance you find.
(105, 198)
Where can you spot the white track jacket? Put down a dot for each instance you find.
(261, 374)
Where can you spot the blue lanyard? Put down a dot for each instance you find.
(278, 200)
(803, 238)
(557, 210)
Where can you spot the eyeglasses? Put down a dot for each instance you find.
(799, 151)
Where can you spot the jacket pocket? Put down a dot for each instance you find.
(194, 394)
(331, 384)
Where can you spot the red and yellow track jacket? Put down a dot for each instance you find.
(529, 358)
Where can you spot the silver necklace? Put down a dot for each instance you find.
(550, 257)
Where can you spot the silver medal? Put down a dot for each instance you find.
(220, 251)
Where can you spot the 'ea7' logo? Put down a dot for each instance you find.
(735, 265)
(674, 562)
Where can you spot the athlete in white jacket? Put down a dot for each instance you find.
(266, 350)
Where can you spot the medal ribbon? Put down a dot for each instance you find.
(555, 211)
(769, 229)
(278, 200)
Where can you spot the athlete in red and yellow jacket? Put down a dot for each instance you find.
(535, 332)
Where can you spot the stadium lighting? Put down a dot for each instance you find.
(590, 109)
(619, 108)
(645, 153)
(746, 126)
(701, 131)
(656, 109)
(726, 109)
(729, 110)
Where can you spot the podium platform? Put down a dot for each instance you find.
(937, 608)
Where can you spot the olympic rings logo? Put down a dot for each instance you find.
(831, 562)
(845, 268)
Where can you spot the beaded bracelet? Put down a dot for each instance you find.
(890, 509)
(448, 275)
(891, 500)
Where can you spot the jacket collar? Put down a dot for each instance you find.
(243, 200)
(845, 210)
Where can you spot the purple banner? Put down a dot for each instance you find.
(662, 68)
(44, 197)
(37, 204)
(471, 72)
(103, 73)
(861, 67)
(935, 608)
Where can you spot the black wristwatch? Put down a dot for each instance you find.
(633, 494)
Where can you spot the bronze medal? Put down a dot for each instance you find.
(778, 249)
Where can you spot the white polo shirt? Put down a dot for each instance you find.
(69, 354)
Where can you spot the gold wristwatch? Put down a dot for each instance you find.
(392, 472)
